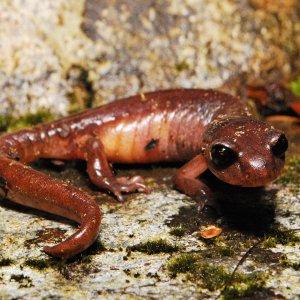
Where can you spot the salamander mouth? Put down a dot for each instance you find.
(250, 183)
(254, 180)
(249, 177)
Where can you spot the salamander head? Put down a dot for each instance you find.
(244, 151)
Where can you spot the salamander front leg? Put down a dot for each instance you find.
(101, 175)
(186, 182)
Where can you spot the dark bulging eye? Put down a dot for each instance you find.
(280, 147)
(222, 156)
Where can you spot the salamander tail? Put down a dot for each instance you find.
(31, 188)
(81, 239)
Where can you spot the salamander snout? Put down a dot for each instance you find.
(247, 153)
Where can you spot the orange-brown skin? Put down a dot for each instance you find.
(176, 125)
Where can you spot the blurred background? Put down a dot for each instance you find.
(59, 57)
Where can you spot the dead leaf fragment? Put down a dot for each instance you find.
(210, 232)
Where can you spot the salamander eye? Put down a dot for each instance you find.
(280, 146)
(222, 155)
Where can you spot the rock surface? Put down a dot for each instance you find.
(56, 52)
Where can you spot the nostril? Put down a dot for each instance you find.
(280, 146)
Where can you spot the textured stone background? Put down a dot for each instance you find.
(55, 53)
(126, 47)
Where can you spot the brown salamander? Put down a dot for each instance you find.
(205, 128)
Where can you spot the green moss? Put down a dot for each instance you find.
(18, 277)
(269, 242)
(291, 174)
(39, 264)
(245, 285)
(154, 247)
(24, 281)
(283, 237)
(225, 251)
(280, 236)
(183, 263)
(242, 291)
(30, 119)
(211, 277)
(218, 252)
(178, 231)
(295, 86)
(284, 262)
(241, 285)
(4, 262)
(9, 123)
(206, 275)
(58, 264)
(83, 258)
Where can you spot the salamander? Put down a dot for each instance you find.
(205, 129)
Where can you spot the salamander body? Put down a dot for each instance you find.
(205, 128)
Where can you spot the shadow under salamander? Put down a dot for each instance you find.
(245, 209)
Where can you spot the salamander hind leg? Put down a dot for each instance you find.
(101, 175)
